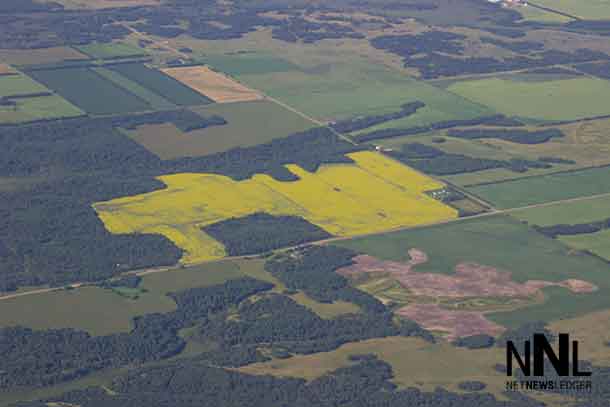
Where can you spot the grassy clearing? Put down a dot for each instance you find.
(546, 188)
(40, 56)
(585, 9)
(15, 85)
(155, 101)
(90, 91)
(372, 195)
(101, 311)
(161, 84)
(590, 210)
(249, 124)
(506, 244)
(112, 50)
(37, 108)
(544, 100)
(597, 243)
(95, 310)
(437, 364)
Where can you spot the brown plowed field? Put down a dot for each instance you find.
(470, 280)
(455, 323)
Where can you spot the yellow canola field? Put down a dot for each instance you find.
(373, 195)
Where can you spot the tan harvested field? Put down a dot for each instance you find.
(593, 333)
(6, 69)
(249, 123)
(439, 364)
(39, 56)
(217, 86)
(455, 324)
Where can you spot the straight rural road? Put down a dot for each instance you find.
(155, 270)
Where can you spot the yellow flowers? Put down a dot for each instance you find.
(374, 195)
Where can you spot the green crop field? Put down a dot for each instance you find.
(597, 243)
(37, 108)
(161, 84)
(584, 211)
(566, 99)
(111, 50)
(546, 188)
(155, 101)
(585, 9)
(330, 93)
(248, 63)
(15, 85)
(506, 244)
(90, 91)
(248, 124)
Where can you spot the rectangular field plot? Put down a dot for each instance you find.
(214, 85)
(18, 85)
(248, 124)
(90, 91)
(155, 101)
(40, 56)
(372, 195)
(597, 243)
(546, 188)
(37, 108)
(499, 243)
(565, 99)
(248, 63)
(161, 84)
(112, 50)
(582, 211)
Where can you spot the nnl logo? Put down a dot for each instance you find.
(542, 347)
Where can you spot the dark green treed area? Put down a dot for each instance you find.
(515, 136)
(238, 317)
(261, 232)
(191, 384)
(435, 161)
(47, 225)
(161, 84)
